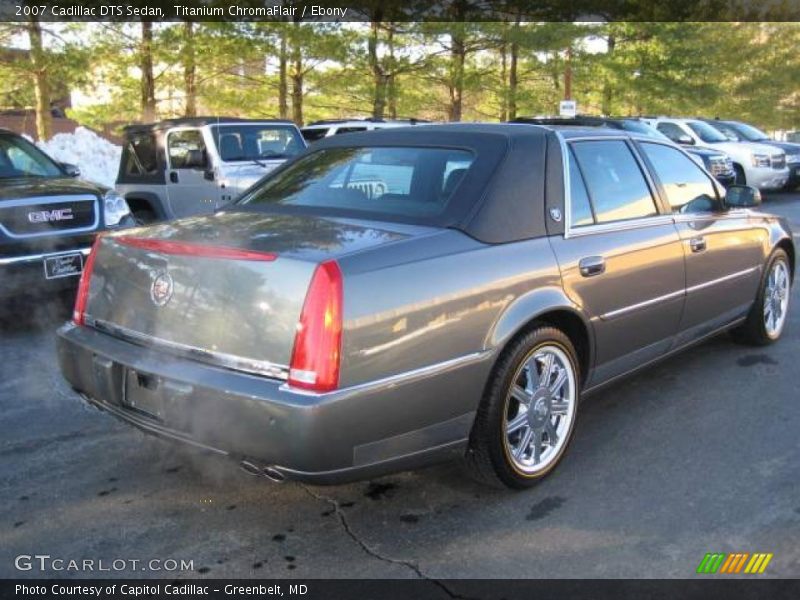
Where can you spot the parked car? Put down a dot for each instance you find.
(190, 166)
(793, 136)
(715, 162)
(48, 219)
(758, 165)
(313, 332)
(321, 129)
(742, 132)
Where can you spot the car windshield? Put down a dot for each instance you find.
(706, 132)
(254, 142)
(21, 159)
(405, 182)
(643, 128)
(748, 132)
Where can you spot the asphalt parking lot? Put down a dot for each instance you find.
(700, 453)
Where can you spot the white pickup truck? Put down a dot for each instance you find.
(758, 165)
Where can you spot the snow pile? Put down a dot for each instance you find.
(97, 158)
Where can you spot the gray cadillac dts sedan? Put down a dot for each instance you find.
(397, 297)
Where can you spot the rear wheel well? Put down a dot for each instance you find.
(788, 247)
(574, 328)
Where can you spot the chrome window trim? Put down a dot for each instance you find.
(37, 257)
(218, 359)
(396, 379)
(52, 200)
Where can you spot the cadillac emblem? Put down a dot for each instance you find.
(161, 288)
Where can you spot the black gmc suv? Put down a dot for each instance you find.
(48, 219)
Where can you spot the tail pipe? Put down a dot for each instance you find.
(268, 471)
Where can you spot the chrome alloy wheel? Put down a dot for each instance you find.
(776, 299)
(540, 409)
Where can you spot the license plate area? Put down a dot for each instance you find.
(144, 394)
(63, 265)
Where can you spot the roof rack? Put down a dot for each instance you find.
(197, 122)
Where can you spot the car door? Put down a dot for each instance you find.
(189, 190)
(621, 259)
(723, 247)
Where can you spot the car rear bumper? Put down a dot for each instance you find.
(363, 431)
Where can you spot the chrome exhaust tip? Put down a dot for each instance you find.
(271, 473)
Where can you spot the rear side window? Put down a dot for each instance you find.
(400, 181)
(616, 186)
(141, 152)
(312, 135)
(580, 207)
(687, 188)
(342, 130)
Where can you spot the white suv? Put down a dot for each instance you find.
(322, 129)
(758, 165)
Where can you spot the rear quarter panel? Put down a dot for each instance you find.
(425, 301)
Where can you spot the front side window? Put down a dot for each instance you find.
(342, 130)
(400, 181)
(186, 148)
(687, 187)
(671, 130)
(706, 132)
(616, 186)
(251, 142)
(21, 159)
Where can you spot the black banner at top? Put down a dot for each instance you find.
(399, 10)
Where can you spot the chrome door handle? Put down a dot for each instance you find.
(592, 265)
(697, 244)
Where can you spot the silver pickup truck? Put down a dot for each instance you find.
(183, 167)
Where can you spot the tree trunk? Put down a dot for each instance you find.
(148, 87)
(458, 55)
(608, 91)
(41, 83)
(283, 87)
(379, 79)
(391, 81)
(189, 71)
(568, 75)
(503, 85)
(513, 77)
(297, 79)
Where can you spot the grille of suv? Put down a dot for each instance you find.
(40, 216)
(721, 166)
(778, 161)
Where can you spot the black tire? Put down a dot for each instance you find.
(740, 178)
(487, 457)
(754, 331)
(144, 216)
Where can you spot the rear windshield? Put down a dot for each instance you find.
(405, 182)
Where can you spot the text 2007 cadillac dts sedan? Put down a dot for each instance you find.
(393, 298)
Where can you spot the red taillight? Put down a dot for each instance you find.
(193, 249)
(79, 314)
(315, 358)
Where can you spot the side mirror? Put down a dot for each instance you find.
(195, 159)
(742, 196)
(70, 169)
(685, 140)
